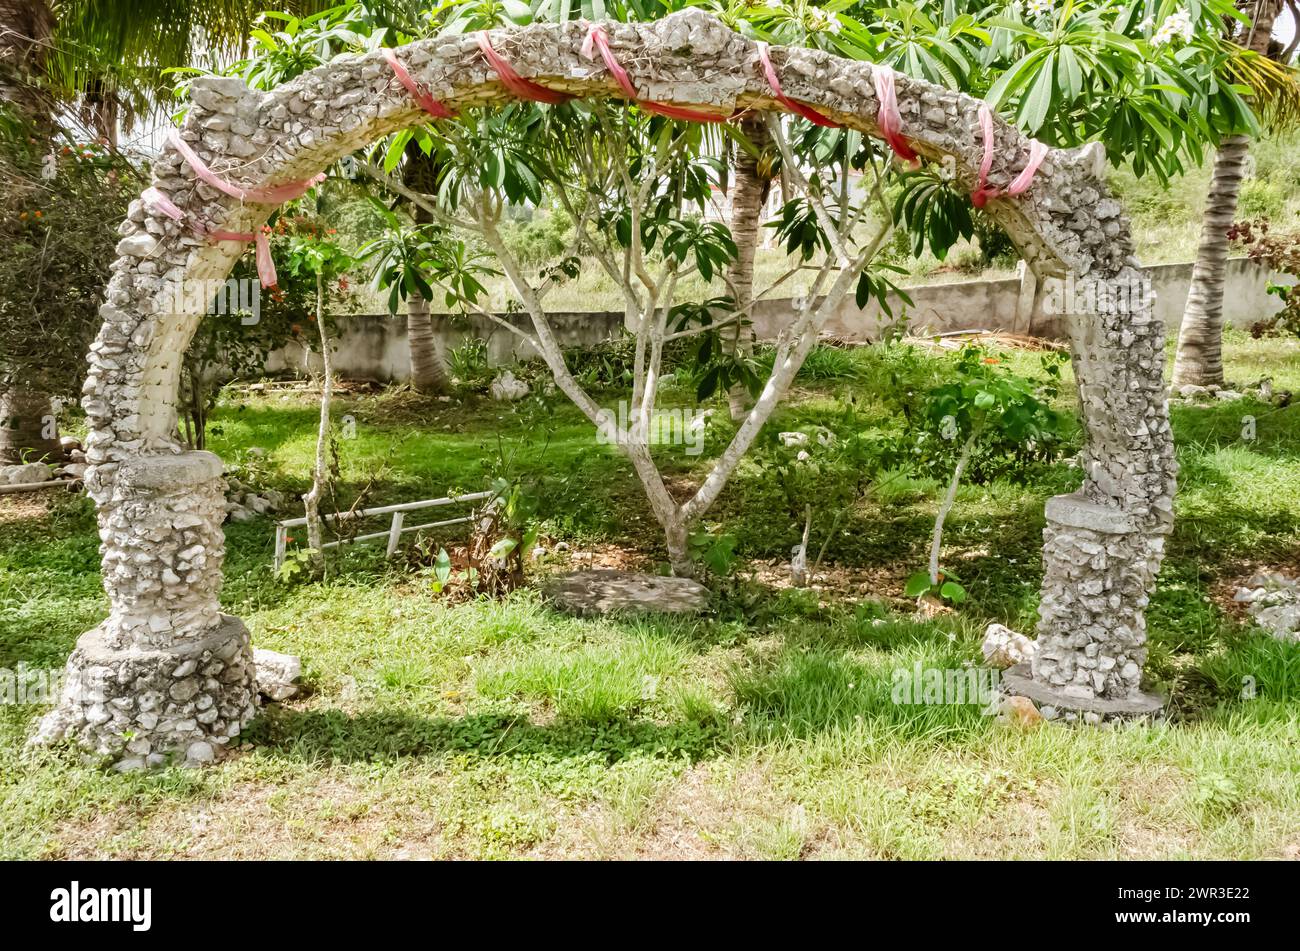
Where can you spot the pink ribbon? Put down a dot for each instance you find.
(888, 118)
(597, 40)
(984, 191)
(152, 196)
(265, 264)
(523, 88)
(273, 195)
(417, 90)
(809, 113)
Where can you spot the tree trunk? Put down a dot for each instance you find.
(27, 427)
(749, 192)
(311, 501)
(1200, 338)
(25, 31)
(679, 547)
(429, 371)
(936, 539)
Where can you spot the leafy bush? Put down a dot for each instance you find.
(55, 251)
(469, 365)
(1276, 252)
(1006, 413)
(542, 238)
(1261, 199)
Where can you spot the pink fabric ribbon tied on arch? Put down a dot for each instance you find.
(273, 195)
(983, 190)
(417, 90)
(598, 41)
(798, 108)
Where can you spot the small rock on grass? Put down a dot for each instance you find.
(277, 674)
(1019, 712)
(1005, 648)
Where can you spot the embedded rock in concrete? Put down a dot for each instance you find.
(1099, 566)
(1004, 647)
(277, 674)
(155, 704)
(606, 591)
(166, 670)
(506, 388)
(161, 508)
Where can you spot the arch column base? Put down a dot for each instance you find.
(1055, 704)
(1100, 565)
(150, 707)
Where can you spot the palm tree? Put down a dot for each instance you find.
(429, 371)
(1199, 360)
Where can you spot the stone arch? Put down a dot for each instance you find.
(173, 673)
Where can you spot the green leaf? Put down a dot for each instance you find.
(917, 585)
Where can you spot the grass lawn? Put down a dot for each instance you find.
(503, 729)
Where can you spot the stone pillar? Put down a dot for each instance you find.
(1103, 544)
(166, 676)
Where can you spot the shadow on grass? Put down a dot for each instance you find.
(376, 735)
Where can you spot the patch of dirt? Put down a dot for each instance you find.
(23, 507)
(695, 817)
(589, 557)
(329, 818)
(838, 583)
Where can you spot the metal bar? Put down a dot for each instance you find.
(389, 509)
(450, 521)
(32, 486)
(395, 533)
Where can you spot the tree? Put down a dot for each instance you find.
(54, 257)
(429, 371)
(102, 63)
(635, 186)
(1199, 359)
(311, 255)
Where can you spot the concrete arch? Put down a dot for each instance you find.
(173, 673)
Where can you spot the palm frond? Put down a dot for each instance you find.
(1274, 88)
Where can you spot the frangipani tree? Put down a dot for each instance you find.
(636, 184)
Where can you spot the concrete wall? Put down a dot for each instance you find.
(374, 346)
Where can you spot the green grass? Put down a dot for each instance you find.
(765, 730)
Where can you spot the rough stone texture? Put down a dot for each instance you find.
(1004, 647)
(277, 674)
(1273, 601)
(588, 593)
(26, 473)
(152, 706)
(163, 577)
(1020, 682)
(166, 670)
